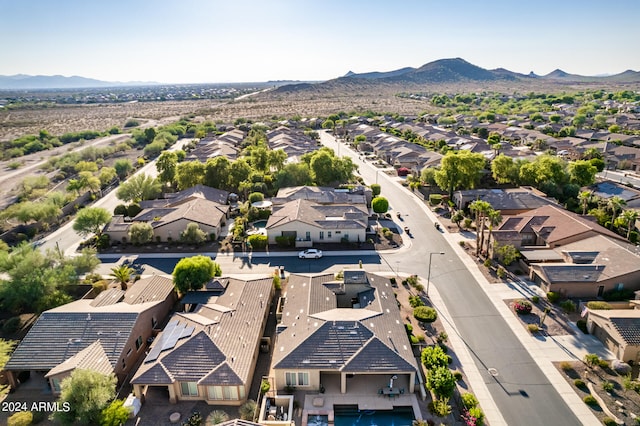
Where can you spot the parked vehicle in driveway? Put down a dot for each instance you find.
(310, 254)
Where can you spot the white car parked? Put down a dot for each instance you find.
(310, 254)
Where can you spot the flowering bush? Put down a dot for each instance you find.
(522, 307)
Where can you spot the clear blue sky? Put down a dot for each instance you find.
(192, 41)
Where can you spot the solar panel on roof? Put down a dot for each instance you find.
(173, 336)
(158, 347)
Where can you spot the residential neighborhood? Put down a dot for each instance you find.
(204, 305)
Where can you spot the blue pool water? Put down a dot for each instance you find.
(260, 224)
(351, 416)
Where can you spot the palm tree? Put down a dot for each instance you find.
(614, 204)
(480, 208)
(585, 198)
(122, 274)
(495, 218)
(629, 217)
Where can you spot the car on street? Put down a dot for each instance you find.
(310, 254)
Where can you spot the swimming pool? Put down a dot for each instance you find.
(350, 415)
(259, 223)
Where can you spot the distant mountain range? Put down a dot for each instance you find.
(25, 82)
(454, 70)
(458, 70)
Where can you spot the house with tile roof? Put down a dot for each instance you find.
(169, 217)
(618, 330)
(106, 334)
(307, 222)
(510, 201)
(568, 253)
(342, 333)
(208, 353)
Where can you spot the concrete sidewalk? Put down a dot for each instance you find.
(544, 349)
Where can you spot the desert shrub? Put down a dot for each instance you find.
(131, 123)
(425, 314)
(413, 339)
(501, 272)
(608, 421)
(487, 263)
(598, 305)
(608, 386)
(434, 356)
(440, 407)
(592, 360)
(284, 241)
(415, 301)
(258, 241)
(457, 375)
(247, 410)
(217, 417)
(408, 328)
(614, 295)
(265, 386)
(566, 366)
(535, 299)
(435, 199)
(478, 414)
(582, 325)
(469, 400)
(195, 419)
(579, 383)
(568, 306)
(533, 328)
(21, 418)
(553, 297)
(467, 223)
(522, 307)
(442, 337)
(629, 384)
(590, 400)
(120, 209)
(11, 325)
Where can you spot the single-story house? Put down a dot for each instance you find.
(107, 334)
(209, 353)
(585, 268)
(309, 222)
(547, 226)
(618, 330)
(509, 202)
(339, 335)
(169, 217)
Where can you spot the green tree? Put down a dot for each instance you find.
(91, 220)
(585, 198)
(239, 171)
(6, 349)
(115, 414)
(459, 169)
(122, 274)
(216, 172)
(629, 217)
(582, 172)
(481, 209)
(506, 253)
(494, 218)
(138, 188)
(380, 205)
(375, 189)
(189, 174)
(293, 174)
(428, 176)
(193, 234)
(504, 169)
(614, 204)
(441, 381)
(191, 273)
(106, 176)
(123, 167)
(166, 165)
(85, 180)
(140, 233)
(86, 393)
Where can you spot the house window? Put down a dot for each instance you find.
(297, 379)
(129, 352)
(225, 393)
(322, 235)
(189, 388)
(619, 286)
(154, 322)
(56, 384)
(124, 365)
(329, 234)
(138, 342)
(338, 232)
(307, 236)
